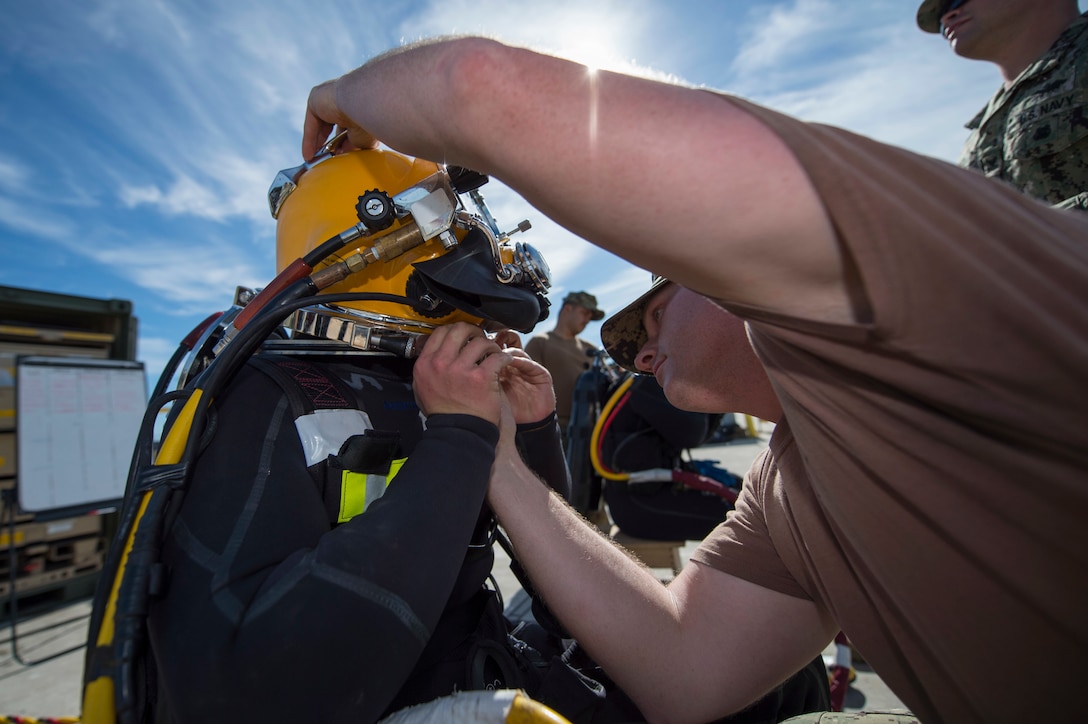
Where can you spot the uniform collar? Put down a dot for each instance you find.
(1070, 38)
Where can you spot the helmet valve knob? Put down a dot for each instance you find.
(375, 210)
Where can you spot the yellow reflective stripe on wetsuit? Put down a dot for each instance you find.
(359, 490)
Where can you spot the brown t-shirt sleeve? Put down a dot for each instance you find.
(535, 349)
(742, 546)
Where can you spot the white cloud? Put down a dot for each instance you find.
(783, 34)
(19, 217)
(870, 71)
(183, 196)
(619, 289)
(196, 109)
(13, 174)
(233, 189)
(188, 278)
(602, 34)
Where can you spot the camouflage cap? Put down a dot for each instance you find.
(930, 13)
(587, 301)
(623, 334)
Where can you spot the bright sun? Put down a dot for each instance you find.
(586, 37)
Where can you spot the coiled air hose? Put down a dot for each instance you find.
(686, 478)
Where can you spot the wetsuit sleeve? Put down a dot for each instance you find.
(542, 450)
(271, 614)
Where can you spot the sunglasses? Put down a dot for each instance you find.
(948, 7)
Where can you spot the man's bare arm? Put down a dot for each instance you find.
(671, 178)
(707, 645)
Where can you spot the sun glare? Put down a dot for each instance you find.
(589, 39)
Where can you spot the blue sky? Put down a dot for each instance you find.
(138, 138)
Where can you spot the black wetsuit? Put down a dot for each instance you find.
(274, 612)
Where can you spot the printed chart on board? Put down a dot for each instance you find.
(78, 420)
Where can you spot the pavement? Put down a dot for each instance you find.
(41, 661)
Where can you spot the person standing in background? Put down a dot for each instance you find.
(563, 352)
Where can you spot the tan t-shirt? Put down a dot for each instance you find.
(929, 482)
(566, 360)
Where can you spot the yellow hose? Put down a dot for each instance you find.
(599, 425)
(98, 695)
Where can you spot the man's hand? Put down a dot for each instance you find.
(528, 387)
(323, 113)
(458, 373)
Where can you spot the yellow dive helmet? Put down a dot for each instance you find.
(422, 259)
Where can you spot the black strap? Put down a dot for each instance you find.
(307, 385)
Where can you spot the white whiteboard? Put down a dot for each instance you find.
(77, 420)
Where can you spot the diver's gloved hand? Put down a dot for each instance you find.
(458, 373)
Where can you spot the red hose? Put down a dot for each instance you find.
(193, 337)
(296, 270)
(702, 482)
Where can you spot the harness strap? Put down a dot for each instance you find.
(355, 475)
(307, 385)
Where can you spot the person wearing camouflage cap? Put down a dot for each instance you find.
(1033, 132)
(623, 334)
(720, 371)
(563, 352)
(917, 323)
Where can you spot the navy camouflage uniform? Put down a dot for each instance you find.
(1034, 134)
